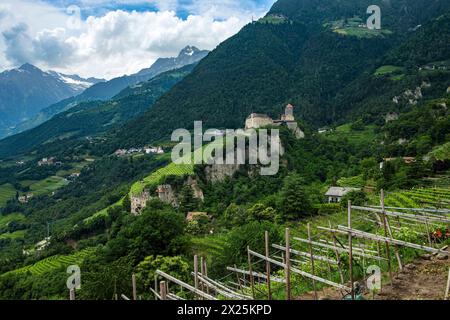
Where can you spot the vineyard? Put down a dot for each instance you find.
(55, 262)
(170, 170)
(7, 192)
(417, 198)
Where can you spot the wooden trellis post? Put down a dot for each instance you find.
(205, 273)
(350, 248)
(312, 260)
(196, 274)
(162, 290)
(252, 282)
(202, 273)
(388, 252)
(448, 285)
(396, 251)
(133, 283)
(338, 257)
(238, 279)
(266, 238)
(287, 269)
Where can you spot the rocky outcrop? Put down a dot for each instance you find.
(197, 191)
(218, 172)
(167, 195)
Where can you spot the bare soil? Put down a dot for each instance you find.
(425, 279)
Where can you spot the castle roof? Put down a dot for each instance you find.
(258, 115)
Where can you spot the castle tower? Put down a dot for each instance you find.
(289, 113)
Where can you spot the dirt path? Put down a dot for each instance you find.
(425, 279)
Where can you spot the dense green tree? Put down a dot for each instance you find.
(294, 199)
(259, 212)
(175, 266)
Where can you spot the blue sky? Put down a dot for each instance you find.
(183, 8)
(110, 38)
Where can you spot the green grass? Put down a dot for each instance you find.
(5, 220)
(384, 70)
(361, 32)
(7, 192)
(441, 152)
(357, 137)
(356, 181)
(55, 262)
(171, 169)
(273, 19)
(417, 198)
(15, 235)
(45, 186)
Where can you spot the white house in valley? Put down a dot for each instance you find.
(335, 194)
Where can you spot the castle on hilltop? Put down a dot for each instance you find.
(258, 120)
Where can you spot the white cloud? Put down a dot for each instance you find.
(116, 43)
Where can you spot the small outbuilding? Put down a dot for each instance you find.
(335, 194)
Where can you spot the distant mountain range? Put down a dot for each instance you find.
(27, 90)
(104, 90)
(95, 117)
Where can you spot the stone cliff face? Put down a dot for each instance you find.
(218, 172)
(198, 192)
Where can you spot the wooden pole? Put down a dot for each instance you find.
(184, 285)
(312, 260)
(350, 248)
(300, 272)
(162, 290)
(252, 283)
(338, 257)
(388, 252)
(428, 233)
(133, 283)
(202, 273)
(238, 279)
(196, 274)
(448, 285)
(287, 269)
(156, 286)
(269, 292)
(72, 294)
(205, 269)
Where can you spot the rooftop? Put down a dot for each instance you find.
(339, 191)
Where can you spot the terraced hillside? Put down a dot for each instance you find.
(55, 262)
(416, 198)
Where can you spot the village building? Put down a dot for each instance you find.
(120, 152)
(324, 130)
(46, 162)
(406, 160)
(335, 194)
(391, 116)
(154, 150)
(41, 245)
(25, 198)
